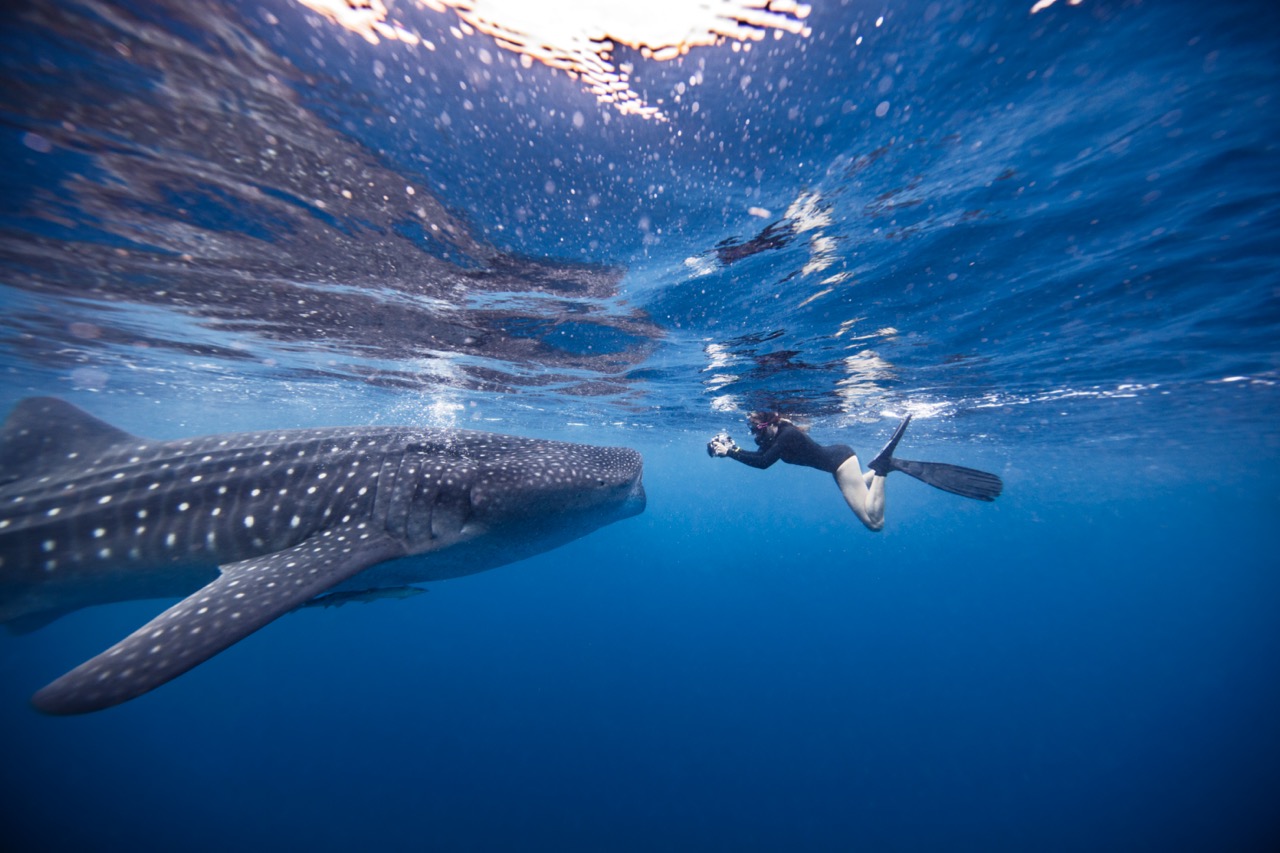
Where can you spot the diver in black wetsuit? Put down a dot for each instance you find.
(779, 438)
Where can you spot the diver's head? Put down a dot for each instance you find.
(764, 425)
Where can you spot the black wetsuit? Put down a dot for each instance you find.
(794, 446)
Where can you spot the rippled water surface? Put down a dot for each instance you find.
(959, 208)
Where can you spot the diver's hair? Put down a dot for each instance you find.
(772, 418)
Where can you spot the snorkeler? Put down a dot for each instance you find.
(779, 438)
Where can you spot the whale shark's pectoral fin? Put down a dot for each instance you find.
(246, 596)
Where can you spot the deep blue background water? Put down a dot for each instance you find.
(1056, 248)
(1077, 666)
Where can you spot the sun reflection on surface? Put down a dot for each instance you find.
(579, 36)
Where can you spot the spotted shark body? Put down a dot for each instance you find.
(251, 526)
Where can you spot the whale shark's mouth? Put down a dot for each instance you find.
(636, 500)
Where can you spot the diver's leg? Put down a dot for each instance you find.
(875, 499)
(863, 494)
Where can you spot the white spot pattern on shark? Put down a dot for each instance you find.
(244, 541)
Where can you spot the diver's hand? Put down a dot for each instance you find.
(721, 445)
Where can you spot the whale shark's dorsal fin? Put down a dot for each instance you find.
(44, 432)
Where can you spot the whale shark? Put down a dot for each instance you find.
(246, 527)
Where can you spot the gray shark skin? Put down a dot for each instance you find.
(251, 526)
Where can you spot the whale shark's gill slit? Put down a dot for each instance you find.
(448, 512)
(433, 508)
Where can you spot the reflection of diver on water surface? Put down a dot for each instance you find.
(775, 236)
(779, 438)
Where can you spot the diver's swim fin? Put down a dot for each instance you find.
(883, 463)
(967, 482)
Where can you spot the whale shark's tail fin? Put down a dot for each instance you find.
(967, 482)
(45, 432)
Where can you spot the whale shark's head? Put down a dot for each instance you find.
(484, 483)
(562, 478)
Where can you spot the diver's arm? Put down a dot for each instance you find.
(757, 458)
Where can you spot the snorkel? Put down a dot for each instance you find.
(759, 422)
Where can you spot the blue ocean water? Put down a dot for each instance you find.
(1050, 236)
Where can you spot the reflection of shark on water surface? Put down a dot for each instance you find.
(250, 526)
